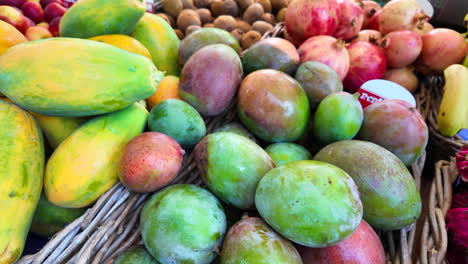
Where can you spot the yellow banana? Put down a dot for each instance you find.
(465, 21)
(453, 112)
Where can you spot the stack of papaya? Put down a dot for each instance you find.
(305, 174)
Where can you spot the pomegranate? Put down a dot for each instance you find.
(367, 62)
(327, 50)
(401, 48)
(442, 47)
(369, 35)
(425, 29)
(350, 19)
(401, 15)
(404, 77)
(373, 22)
(308, 18)
(369, 9)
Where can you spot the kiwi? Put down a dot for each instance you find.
(209, 25)
(169, 19)
(281, 14)
(237, 33)
(191, 29)
(250, 38)
(224, 7)
(202, 3)
(242, 25)
(266, 4)
(244, 4)
(227, 23)
(205, 15)
(187, 18)
(179, 34)
(172, 7)
(269, 18)
(253, 13)
(261, 27)
(188, 4)
(278, 4)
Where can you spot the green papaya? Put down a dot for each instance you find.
(89, 18)
(21, 171)
(75, 77)
(86, 164)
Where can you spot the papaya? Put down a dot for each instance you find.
(162, 42)
(56, 128)
(96, 78)
(50, 219)
(89, 18)
(86, 164)
(9, 36)
(124, 42)
(22, 161)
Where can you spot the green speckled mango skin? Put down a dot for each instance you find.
(232, 165)
(75, 77)
(388, 192)
(183, 224)
(252, 241)
(178, 120)
(236, 128)
(205, 37)
(89, 18)
(86, 164)
(312, 203)
(338, 117)
(282, 153)
(135, 255)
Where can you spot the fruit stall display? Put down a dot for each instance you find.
(209, 131)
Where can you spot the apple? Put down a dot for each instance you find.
(15, 3)
(34, 11)
(14, 17)
(45, 3)
(54, 26)
(53, 10)
(36, 32)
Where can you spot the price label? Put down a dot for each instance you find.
(375, 91)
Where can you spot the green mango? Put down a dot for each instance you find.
(236, 128)
(282, 153)
(135, 255)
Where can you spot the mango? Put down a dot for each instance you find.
(338, 117)
(135, 255)
(202, 38)
(21, 172)
(236, 128)
(232, 165)
(397, 126)
(251, 241)
(285, 152)
(183, 224)
(96, 78)
(388, 192)
(161, 40)
(124, 42)
(178, 120)
(271, 53)
(273, 106)
(9, 36)
(89, 18)
(210, 79)
(50, 219)
(86, 164)
(312, 203)
(318, 80)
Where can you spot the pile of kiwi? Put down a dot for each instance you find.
(246, 20)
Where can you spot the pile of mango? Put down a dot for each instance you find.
(299, 178)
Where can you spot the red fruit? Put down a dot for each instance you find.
(401, 15)
(54, 10)
(369, 35)
(362, 247)
(308, 18)
(373, 22)
(369, 9)
(401, 48)
(45, 3)
(14, 17)
(54, 26)
(462, 163)
(404, 77)
(427, 27)
(15, 3)
(367, 62)
(327, 50)
(350, 19)
(457, 221)
(37, 32)
(34, 11)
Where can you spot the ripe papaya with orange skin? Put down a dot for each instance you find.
(9, 36)
(124, 42)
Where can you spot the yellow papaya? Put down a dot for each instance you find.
(21, 173)
(9, 36)
(162, 42)
(86, 164)
(124, 42)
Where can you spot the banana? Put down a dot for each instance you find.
(453, 112)
(465, 21)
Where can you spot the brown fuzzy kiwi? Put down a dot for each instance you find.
(202, 3)
(242, 25)
(261, 27)
(187, 18)
(266, 5)
(227, 23)
(278, 4)
(172, 7)
(188, 4)
(205, 15)
(191, 29)
(169, 19)
(281, 14)
(250, 38)
(224, 7)
(209, 25)
(179, 34)
(269, 18)
(253, 13)
(244, 4)
(237, 33)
